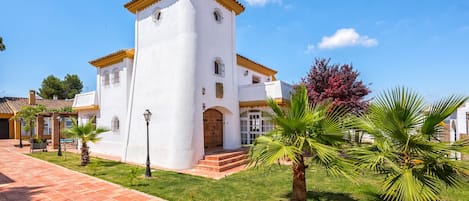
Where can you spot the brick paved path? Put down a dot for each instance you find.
(24, 178)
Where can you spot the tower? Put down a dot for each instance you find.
(185, 74)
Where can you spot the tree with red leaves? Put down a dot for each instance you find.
(336, 82)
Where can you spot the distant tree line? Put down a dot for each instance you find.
(64, 89)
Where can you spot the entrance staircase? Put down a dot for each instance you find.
(221, 161)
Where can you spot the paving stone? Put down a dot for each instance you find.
(25, 178)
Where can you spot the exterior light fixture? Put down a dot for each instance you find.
(147, 116)
(59, 153)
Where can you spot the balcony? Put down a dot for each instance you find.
(256, 94)
(85, 101)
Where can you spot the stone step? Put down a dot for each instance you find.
(222, 156)
(213, 162)
(223, 167)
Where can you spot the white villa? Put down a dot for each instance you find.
(459, 123)
(185, 70)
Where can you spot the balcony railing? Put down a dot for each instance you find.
(277, 90)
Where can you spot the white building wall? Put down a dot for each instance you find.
(113, 103)
(163, 82)
(246, 78)
(179, 51)
(216, 40)
(461, 123)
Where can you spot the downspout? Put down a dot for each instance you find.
(131, 93)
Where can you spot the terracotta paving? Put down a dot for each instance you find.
(23, 178)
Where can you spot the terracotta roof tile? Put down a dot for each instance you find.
(15, 104)
(4, 108)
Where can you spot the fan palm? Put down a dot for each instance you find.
(86, 133)
(416, 166)
(302, 130)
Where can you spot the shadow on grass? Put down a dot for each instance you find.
(108, 163)
(333, 196)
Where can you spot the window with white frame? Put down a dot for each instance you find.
(106, 79)
(115, 76)
(115, 124)
(254, 123)
(218, 68)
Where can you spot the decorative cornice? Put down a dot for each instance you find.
(83, 108)
(232, 5)
(260, 103)
(113, 58)
(249, 64)
(137, 5)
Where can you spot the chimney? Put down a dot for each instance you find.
(32, 97)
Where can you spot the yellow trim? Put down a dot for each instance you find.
(232, 5)
(279, 101)
(82, 108)
(249, 64)
(113, 58)
(11, 125)
(4, 116)
(137, 5)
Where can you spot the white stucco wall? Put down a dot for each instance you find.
(179, 51)
(112, 100)
(461, 122)
(246, 78)
(216, 40)
(165, 53)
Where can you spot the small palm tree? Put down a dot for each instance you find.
(28, 115)
(416, 166)
(86, 133)
(302, 130)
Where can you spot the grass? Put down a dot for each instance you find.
(253, 184)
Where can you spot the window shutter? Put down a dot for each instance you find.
(219, 90)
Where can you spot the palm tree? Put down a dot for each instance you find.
(86, 133)
(28, 115)
(302, 130)
(416, 166)
(2, 46)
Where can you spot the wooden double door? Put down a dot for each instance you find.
(213, 129)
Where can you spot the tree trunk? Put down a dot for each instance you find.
(299, 180)
(85, 154)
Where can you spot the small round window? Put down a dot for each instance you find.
(218, 15)
(156, 16)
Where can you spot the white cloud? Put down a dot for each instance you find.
(309, 49)
(262, 2)
(346, 38)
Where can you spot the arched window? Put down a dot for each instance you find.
(218, 67)
(156, 16)
(217, 14)
(115, 124)
(115, 76)
(106, 79)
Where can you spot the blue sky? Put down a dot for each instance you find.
(424, 46)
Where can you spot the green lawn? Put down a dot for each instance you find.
(252, 184)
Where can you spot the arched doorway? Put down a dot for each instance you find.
(213, 129)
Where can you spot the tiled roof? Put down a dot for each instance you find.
(15, 104)
(4, 108)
